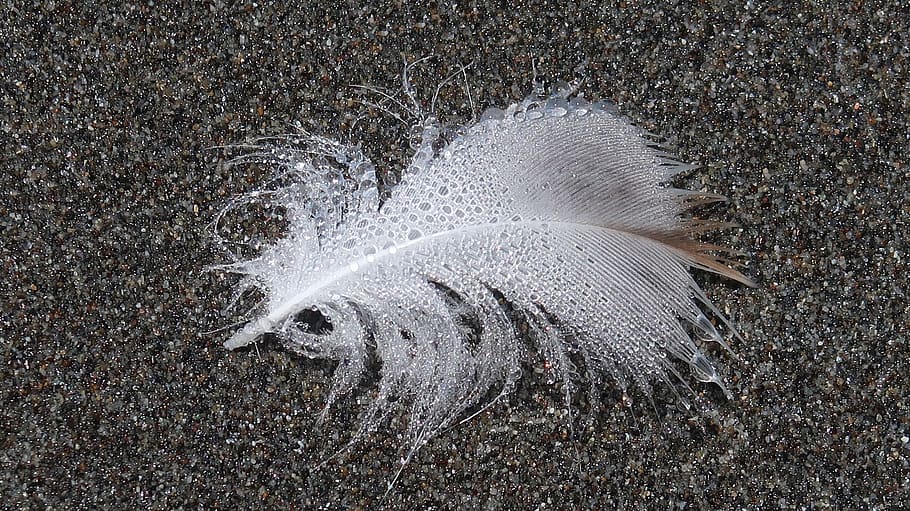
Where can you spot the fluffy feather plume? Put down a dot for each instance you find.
(557, 206)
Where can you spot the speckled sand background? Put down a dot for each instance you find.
(114, 398)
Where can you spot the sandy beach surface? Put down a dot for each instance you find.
(117, 394)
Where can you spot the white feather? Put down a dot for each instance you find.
(560, 207)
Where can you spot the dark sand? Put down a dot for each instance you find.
(113, 397)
